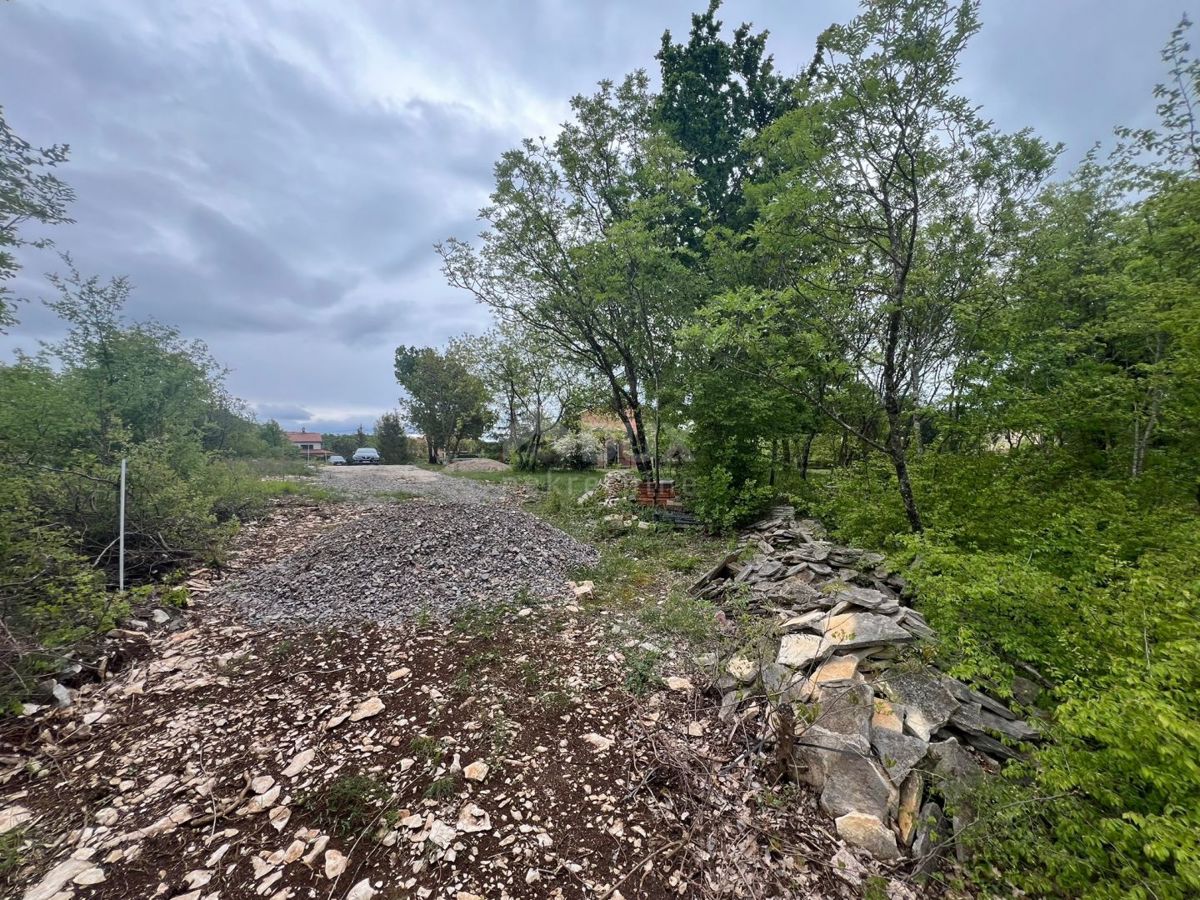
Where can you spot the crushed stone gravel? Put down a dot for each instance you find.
(372, 481)
(391, 563)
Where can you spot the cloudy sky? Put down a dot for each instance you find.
(271, 174)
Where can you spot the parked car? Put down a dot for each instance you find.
(365, 456)
(336, 460)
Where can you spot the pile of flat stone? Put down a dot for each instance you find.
(893, 745)
(614, 489)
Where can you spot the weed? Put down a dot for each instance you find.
(348, 805)
(442, 788)
(556, 701)
(641, 671)
(682, 616)
(425, 747)
(481, 620)
(398, 496)
(501, 731)
(477, 662)
(12, 855)
(283, 649)
(238, 664)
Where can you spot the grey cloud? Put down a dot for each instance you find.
(282, 412)
(272, 176)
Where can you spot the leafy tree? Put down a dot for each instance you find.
(715, 95)
(390, 439)
(580, 248)
(890, 203)
(532, 386)
(29, 192)
(445, 399)
(342, 445)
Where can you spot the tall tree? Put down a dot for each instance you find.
(580, 247)
(29, 192)
(390, 439)
(445, 399)
(892, 203)
(532, 387)
(716, 94)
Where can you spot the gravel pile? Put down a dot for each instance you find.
(393, 562)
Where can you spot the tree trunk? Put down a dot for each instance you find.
(897, 440)
(641, 448)
(804, 454)
(900, 462)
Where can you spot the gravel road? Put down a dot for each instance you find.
(367, 480)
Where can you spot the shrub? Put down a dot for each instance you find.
(576, 450)
(719, 504)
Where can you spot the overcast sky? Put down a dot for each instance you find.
(271, 174)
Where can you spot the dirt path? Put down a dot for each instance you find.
(500, 754)
(367, 481)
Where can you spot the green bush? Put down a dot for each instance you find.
(1094, 583)
(50, 597)
(720, 504)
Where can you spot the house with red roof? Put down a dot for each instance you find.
(308, 443)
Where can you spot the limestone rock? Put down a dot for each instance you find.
(910, 803)
(476, 771)
(869, 833)
(440, 834)
(858, 784)
(744, 669)
(928, 705)
(372, 706)
(932, 833)
(846, 707)
(335, 863)
(860, 629)
(800, 650)
(299, 762)
(899, 753)
(887, 717)
(13, 817)
(472, 819)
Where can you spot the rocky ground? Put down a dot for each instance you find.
(512, 749)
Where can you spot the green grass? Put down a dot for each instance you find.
(425, 747)
(443, 788)
(641, 671)
(315, 492)
(575, 482)
(348, 805)
(11, 855)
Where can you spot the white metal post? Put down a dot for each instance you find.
(121, 535)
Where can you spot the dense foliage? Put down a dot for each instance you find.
(852, 290)
(111, 390)
(446, 401)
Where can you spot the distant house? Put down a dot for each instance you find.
(308, 443)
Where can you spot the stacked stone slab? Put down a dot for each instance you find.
(890, 742)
